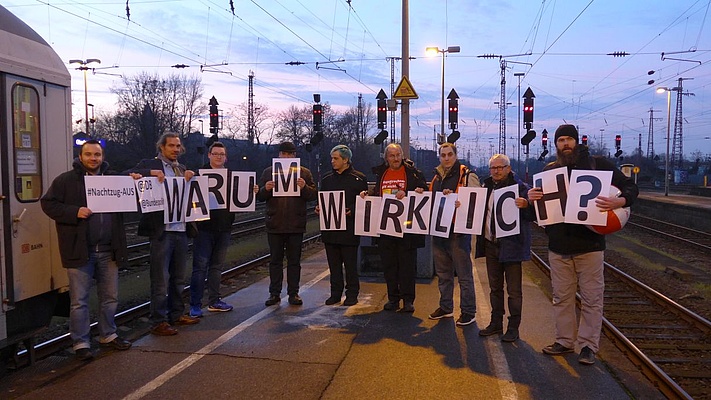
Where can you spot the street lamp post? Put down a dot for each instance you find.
(519, 75)
(83, 67)
(666, 156)
(431, 52)
(92, 120)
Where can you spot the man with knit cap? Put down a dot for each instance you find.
(576, 253)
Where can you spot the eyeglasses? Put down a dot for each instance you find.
(218, 154)
(498, 167)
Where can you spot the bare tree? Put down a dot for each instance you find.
(294, 124)
(149, 105)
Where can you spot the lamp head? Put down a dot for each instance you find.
(453, 49)
(662, 89)
(432, 51)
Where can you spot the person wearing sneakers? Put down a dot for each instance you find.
(452, 255)
(210, 247)
(397, 176)
(342, 246)
(91, 246)
(285, 219)
(169, 242)
(576, 253)
(504, 255)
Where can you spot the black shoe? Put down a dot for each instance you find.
(295, 300)
(407, 307)
(439, 313)
(556, 349)
(272, 300)
(465, 319)
(118, 344)
(333, 300)
(587, 356)
(350, 301)
(511, 335)
(84, 354)
(491, 330)
(391, 305)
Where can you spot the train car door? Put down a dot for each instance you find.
(34, 116)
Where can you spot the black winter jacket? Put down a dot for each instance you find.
(221, 220)
(352, 182)
(286, 214)
(415, 180)
(62, 202)
(569, 239)
(513, 248)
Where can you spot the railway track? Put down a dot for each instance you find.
(699, 239)
(54, 345)
(670, 344)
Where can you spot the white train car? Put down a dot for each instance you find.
(35, 142)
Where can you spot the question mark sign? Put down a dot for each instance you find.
(594, 192)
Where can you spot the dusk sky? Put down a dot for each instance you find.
(561, 46)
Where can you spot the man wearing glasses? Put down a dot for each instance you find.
(210, 247)
(504, 255)
(285, 219)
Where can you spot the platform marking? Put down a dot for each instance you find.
(495, 353)
(195, 357)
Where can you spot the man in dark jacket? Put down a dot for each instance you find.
(504, 255)
(169, 242)
(342, 246)
(576, 253)
(210, 247)
(397, 255)
(286, 223)
(90, 246)
(452, 255)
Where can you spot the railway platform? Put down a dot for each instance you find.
(316, 351)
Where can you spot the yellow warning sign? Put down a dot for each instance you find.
(635, 170)
(405, 90)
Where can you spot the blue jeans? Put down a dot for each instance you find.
(105, 271)
(209, 251)
(278, 243)
(168, 275)
(453, 255)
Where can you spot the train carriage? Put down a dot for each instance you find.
(35, 138)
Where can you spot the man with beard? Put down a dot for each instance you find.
(169, 242)
(576, 254)
(90, 245)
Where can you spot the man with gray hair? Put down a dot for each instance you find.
(169, 242)
(398, 176)
(504, 254)
(342, 246)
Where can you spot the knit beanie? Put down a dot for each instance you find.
(566, 130)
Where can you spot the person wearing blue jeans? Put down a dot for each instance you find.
(210, 247)
(90, 246)
(452, 255)
(169, 242)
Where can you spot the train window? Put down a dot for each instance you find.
(26, 143)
